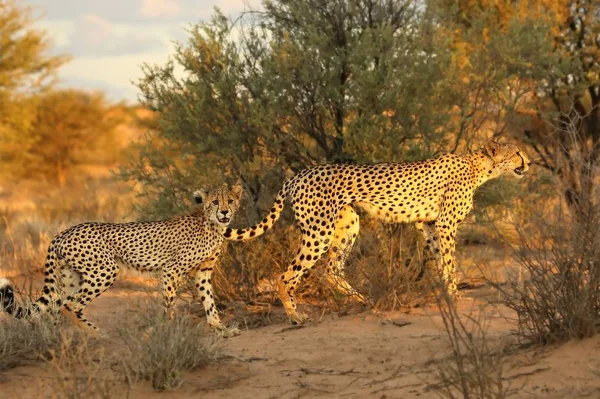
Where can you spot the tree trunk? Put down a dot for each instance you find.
(61, 174)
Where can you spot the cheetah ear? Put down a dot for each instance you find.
(200, 196)
(237, 191)
(491, 148)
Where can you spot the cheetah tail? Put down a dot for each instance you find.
(260, 228)
(49, 297)
(7, 299)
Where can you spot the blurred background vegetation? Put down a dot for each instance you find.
(297, 83)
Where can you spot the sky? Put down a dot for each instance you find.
(109, 40)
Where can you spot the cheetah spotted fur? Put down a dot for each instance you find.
(436, 194)
(83, 260)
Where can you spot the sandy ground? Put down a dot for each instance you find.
(362, 355)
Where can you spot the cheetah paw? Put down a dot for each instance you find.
(226, 332)
(298, 318)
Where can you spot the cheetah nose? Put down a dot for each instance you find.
(224, 213)
(520, 170)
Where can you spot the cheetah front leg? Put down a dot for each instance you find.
(446, 231)
(205, 293)
(445, 227)
(431, 250)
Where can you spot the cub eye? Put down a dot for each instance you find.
(215, 202)
(230, 201)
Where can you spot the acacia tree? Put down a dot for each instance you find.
(304, 82)
(298, 83)
(505, 50)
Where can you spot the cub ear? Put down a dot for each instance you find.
(200, 196)
(491, 148)
(237, 191)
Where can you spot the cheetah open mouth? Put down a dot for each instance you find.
(520, 171)
(224, 220)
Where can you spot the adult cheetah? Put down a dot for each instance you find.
(437, 194)
(83, 260)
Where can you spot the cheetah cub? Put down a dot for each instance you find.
(83, 261)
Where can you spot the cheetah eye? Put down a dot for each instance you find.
(215, 202)
(230, 201)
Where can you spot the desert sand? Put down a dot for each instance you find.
(363, 354)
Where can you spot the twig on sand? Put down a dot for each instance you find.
(307, 386)
(391, 377)
(290, 328)
(247, 360)
(396, 387)
(331, 372)
(526, 373)
(400, 323)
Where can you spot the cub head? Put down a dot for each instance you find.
(507, 159)
(219, 204)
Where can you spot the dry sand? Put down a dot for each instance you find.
(362, 355)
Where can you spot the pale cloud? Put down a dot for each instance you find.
(118, 75)
(95, 29)
(236, 6)
(94, 35)
(110, 39)
(160, 8)
(59, 31)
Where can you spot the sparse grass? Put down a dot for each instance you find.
(81, 369)
(556, 295)
(163, 350)
(387, 266)
(24, 341)
(28, 222)
(474, 368)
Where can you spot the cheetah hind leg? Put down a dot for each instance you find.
(346, 230)
(170, 280)
(301, 265)
(71, 281)
(286, 295)
(71, 284)
(88, 290)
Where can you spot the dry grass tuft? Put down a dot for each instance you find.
(475, 366)
(80, 368)
(163, 350)
(28, 221)
(556, 295)
(24, 341)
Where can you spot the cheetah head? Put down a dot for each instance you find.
(507, 159)
(219, 204)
